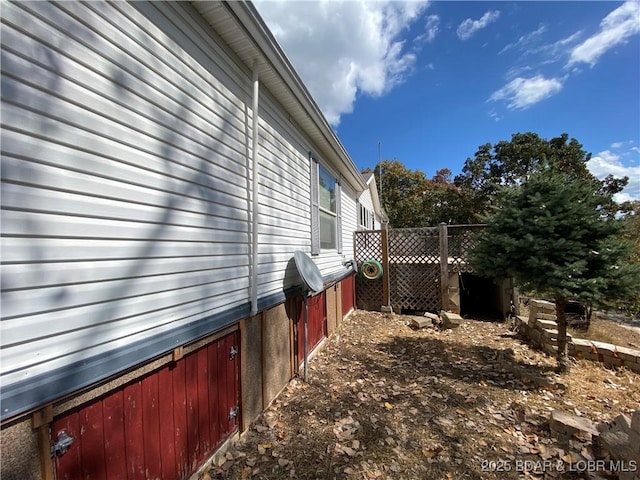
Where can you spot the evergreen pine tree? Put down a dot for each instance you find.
(553, 235)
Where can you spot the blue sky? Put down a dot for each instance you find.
(431, 81)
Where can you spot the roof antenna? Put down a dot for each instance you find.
(380, 171)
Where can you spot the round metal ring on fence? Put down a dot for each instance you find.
(371, 270)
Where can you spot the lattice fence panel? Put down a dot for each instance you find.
(461, 240)
(414, 268)
(413, 265)
(368, 246)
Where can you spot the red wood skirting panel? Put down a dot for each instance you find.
(316, 323)
(348, 294)
(162, 426)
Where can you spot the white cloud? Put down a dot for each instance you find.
(615, 29)
(521, 93)
(496, 117)
(557, 51)
(469, 27)
(532, 52)
(431, 29)
(608, 163)
(518, 71)
(340, 49)
(525, 40)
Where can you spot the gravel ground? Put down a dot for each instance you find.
(386, 401)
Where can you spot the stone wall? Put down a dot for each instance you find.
(541, 329)
(610, 355)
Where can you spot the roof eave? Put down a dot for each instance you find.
(259, 45)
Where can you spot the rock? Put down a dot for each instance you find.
(546, 324)
(621, 422)
(565, 426)
(619, 444)
(434, 317)
(535, 335)
(420, 322)
(635, 421)
(620, 438)
(450, 319)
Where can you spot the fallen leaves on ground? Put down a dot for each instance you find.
(385, 401)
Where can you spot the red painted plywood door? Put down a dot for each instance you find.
(162, 426)
(316, 323)
(348, 294)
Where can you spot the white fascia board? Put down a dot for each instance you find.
(377, 206)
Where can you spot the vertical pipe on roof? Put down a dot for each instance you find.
(255, 207)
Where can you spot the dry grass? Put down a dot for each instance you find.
(385, 401)
(609, 331)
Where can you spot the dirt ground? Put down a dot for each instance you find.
(385, 401)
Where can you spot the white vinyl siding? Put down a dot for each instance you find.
(349, 220)
(366, 202)
(284, 198)
(285, 204)
(124, 181)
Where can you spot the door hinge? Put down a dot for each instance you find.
(233, 351)
(233, 413)
(62, 445)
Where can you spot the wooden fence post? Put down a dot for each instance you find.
(40, 421)
(444, 266)
(386, 291)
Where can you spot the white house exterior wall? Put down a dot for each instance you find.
(284, 200)
(365, 200)
(124, 196)
(125, 191)
(285, 223)
(349, 221)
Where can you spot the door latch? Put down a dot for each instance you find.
(233, 413)
(233, 351)
(62, 445)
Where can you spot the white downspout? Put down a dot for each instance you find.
(255, 213)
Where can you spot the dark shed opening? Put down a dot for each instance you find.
(479, 297)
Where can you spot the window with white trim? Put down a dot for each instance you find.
(328, 209)
(326, 220)
(365, 218)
